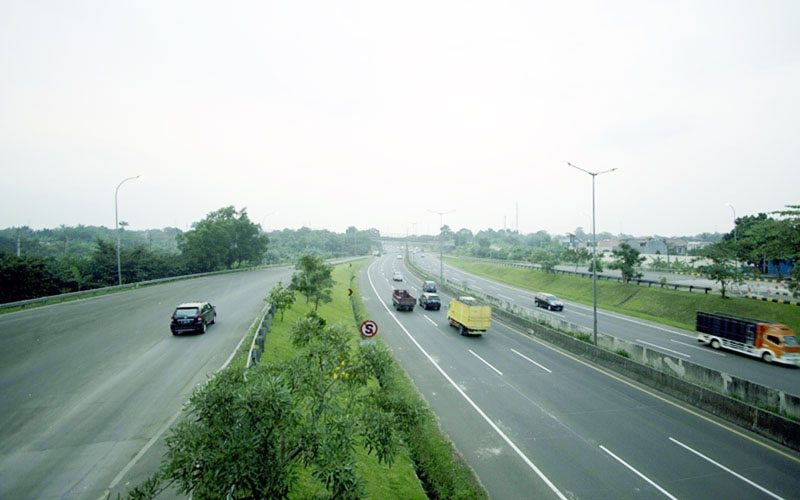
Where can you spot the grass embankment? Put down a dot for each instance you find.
(671, 307)
(429, 455)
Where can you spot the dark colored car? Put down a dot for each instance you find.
(430, 301)
(548, 301)
(429, 286)
(193, 317)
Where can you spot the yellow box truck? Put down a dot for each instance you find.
(466, 314)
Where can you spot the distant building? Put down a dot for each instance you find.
(607, 246)
(677, 247)
(696, 245)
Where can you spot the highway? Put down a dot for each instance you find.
(535, 422)
(667, 339)
(87, 388)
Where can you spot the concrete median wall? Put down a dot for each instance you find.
(742, 402)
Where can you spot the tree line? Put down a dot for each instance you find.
(70, 259)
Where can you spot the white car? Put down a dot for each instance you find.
(397, 276)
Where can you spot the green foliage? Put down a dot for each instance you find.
(723, 268)
(250, 434)
(223, 239)
(599, 265)
(281, 298)
(285, 245)
(626, 259)
(545, 258)
(313, 279)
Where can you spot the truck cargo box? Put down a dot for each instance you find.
(468, 315)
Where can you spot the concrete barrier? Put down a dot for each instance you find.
(747, 404)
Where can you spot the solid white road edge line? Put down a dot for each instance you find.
(653, 484)
(751, 483)
(471, 403)
(486, 363)
(532, 361)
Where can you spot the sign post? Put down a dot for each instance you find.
(368, 330)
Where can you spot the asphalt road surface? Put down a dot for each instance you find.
(667, 339)
(536, 422)
(87, 388)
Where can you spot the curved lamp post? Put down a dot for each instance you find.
(727, 204)
(441, 243)
(594, 247)
(116, 224)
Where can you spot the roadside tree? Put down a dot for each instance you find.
(313, 279)
(545, 258)
(281, 298)
(723, 268)
(626, 259)
(224, 239)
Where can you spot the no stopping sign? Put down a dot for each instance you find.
(368, 329)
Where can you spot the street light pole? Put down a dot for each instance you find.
(594, 249)
(116, 224)
(441, 243)
(727, 204)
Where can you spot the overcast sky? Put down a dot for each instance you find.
(337, 113)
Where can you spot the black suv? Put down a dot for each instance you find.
(429, 301)
(193, 317)
(551, 302)
(429, 286)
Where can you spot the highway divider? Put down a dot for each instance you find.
(766, 411)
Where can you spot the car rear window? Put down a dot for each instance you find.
(434, 298)
(186, 312)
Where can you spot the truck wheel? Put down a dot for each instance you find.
(463, 330)
(715, 344)
(768, 357)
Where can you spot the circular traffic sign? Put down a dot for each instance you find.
(369, 328)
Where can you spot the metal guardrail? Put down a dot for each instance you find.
(257, 347)
(118, 288)
(649, 283)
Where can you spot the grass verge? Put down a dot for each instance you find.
(670, 307)
(430, 466)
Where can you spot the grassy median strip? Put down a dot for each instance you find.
(670, 307)
(430, 466)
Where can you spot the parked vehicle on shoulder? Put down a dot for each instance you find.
(429, 286)
(430, 301)
(772, 342)
(397, 276)
(402, 300)
(193, 317)
(551, 302)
